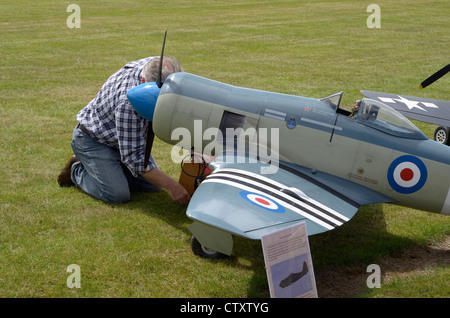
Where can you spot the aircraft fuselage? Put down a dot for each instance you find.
(399, 163)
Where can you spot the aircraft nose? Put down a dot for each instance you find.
(143, 99)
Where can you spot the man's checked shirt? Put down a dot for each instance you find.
(111, 119)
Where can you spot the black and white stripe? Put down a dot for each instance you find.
(285, 196)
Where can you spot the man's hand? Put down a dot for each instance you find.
(176, 191)
(179, 194)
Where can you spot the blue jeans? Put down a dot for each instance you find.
(100, 172)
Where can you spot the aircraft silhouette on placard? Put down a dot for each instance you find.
(293, 277)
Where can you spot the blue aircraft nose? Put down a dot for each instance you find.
(143, 98)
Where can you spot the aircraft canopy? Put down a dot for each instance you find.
(382, 117)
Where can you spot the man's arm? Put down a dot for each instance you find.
(177, 192)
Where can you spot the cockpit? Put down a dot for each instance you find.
(382, 117)
(377, 115)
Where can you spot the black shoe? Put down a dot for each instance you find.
(64, 178)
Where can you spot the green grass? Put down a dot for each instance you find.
(48, 72)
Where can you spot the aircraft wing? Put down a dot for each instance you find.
(431, 111)
(238, 198)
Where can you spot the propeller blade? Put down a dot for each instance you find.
(435, 76)
(158, 80)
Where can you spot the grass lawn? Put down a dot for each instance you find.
(48, 72)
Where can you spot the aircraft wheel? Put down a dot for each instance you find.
(441, 135)
(203, 251)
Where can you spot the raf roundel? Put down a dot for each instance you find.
(262, 201)
(407, 174)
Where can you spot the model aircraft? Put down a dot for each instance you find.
(431, 111)
(326, 163)
(329, 163)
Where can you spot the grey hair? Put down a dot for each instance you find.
(170, 65)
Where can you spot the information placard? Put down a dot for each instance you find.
(288, 263)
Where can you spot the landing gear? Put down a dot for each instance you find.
(442, 135)
(210, 242)
(203, 251)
